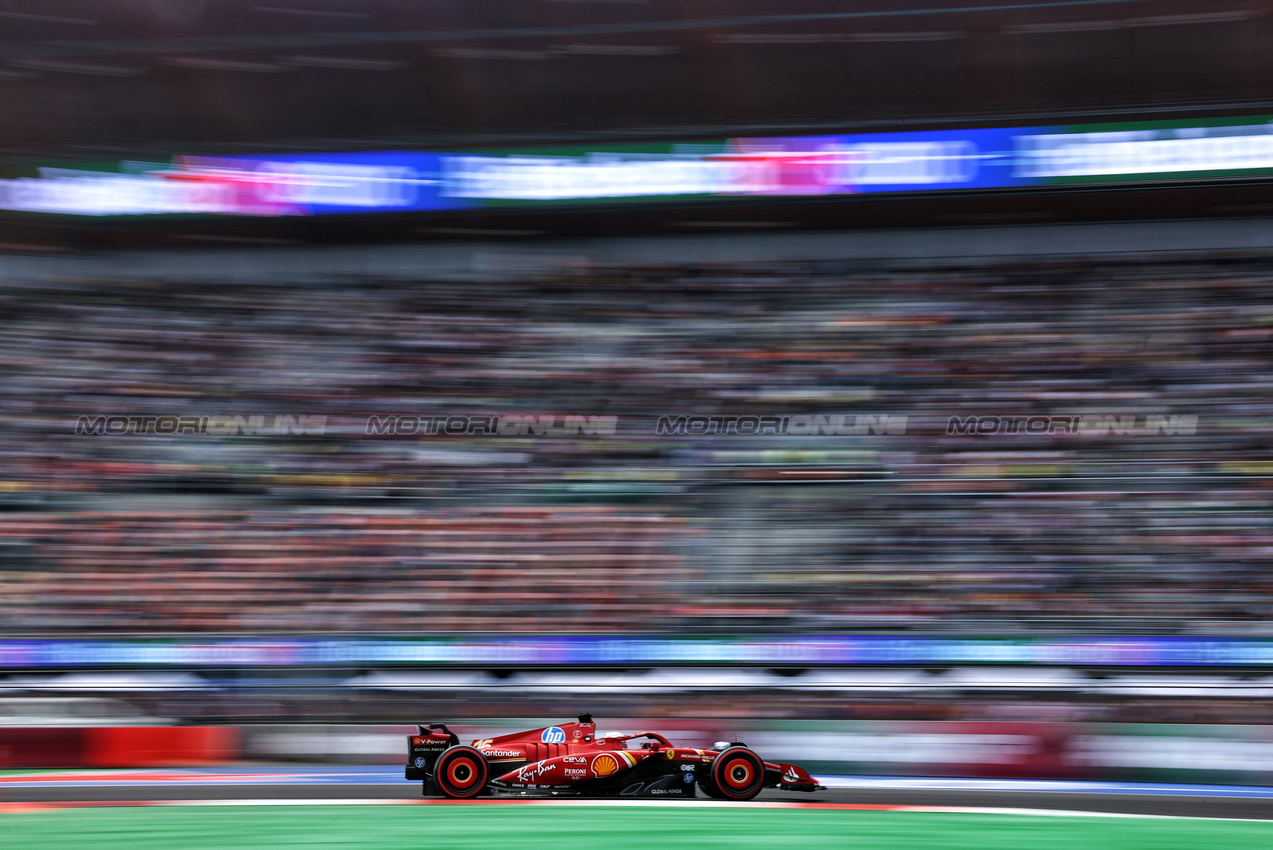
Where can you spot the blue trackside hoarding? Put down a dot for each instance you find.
(584, 650)
(801, 166)
(889, 162)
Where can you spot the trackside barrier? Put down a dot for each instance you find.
(1111, 751)
(22, 747)
(110, 746)
(1180, 752)
(160, 746)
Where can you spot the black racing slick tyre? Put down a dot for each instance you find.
(460, 773)
(709, 788)
(737, 774)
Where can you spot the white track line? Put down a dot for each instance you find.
(627, 804)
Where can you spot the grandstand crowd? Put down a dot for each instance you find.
(641, 531)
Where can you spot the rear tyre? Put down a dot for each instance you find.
(460, 773)
(737, 774)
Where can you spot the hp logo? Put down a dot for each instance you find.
(553, 735)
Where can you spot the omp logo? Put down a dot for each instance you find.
(605, 764)
(553, 735)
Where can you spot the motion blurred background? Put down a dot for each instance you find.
(887, 383)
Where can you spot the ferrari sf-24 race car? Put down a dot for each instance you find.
(573, 760)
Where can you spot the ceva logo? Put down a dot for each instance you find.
(553, 735)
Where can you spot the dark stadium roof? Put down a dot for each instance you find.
(113, 77)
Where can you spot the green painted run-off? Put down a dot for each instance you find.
(547, 827)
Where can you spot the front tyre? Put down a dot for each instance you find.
(737, 774)
(460, 773)
(708, 787)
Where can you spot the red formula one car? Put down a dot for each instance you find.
(573, 760)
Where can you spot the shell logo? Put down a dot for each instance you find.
(605, 764)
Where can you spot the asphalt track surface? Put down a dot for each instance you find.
(367, 784)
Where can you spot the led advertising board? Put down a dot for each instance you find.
(808, 166)
(301, 184)
(576, 650)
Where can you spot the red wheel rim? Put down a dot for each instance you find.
(461, 773)
(738, 774)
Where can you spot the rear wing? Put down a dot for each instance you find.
(432, 728)
(425, 746)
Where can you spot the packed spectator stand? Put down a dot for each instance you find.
(640, 531)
